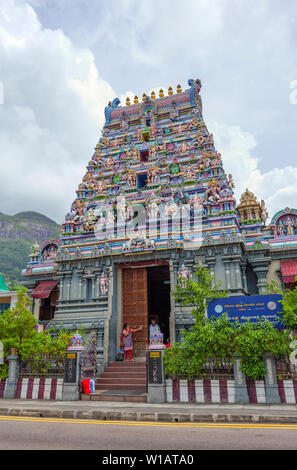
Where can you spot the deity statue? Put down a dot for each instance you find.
(189, 173)
(101, 187)
(153, 208)
(153, 174)
(194, 123)
(156, 337)
(35, 248)
(184, 148)
(280, 229)
(171, 207)
(213, 192)
(153, 151)
(231, 184)
(184, 275)
(196, 200)
(135, 153)
(139, 135)
(131, 178)
(109, 162)
(89, 220)
(124, 123)
(200, 139)
(289, 226)
(153, 132)
(180, 129)
(103, 282)
(174, 112)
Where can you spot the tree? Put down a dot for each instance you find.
(198, 291)
(17, 323)
(216, 339)
(17, 331)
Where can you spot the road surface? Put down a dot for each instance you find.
(25, 433)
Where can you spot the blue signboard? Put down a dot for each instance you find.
(246, 308)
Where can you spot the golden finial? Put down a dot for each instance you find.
(135, 99)
(153, 95)
(143, 96)
(178, 89)
(170, 91)
(128, 101)
(161, 93)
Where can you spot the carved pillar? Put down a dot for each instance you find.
(238, 275)
(228, 274)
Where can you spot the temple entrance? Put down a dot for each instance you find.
(145, 295)
(135, 306)
(158, 280)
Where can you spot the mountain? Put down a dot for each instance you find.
(17, 234)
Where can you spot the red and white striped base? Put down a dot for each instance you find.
(36, 389)
(222, 391)
(287, 391)
(200, 391)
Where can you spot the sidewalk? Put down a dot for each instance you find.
(167, 412)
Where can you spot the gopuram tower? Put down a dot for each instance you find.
(124, 244)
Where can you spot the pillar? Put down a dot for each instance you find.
(271, 386)
(13, 374)
(241, 394)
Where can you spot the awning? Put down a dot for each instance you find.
(289, 270)
(43, 290)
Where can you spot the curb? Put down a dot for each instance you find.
(149, 417)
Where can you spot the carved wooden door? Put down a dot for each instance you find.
(135, 306)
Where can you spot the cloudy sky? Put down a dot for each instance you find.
(61, 61)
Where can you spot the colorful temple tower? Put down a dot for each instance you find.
(154, 202)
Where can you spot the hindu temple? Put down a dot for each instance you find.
(122, 250)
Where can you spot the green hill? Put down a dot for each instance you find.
(17, 234)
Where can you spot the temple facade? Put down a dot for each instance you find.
(155, 201)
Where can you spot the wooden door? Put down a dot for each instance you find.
(135, 306)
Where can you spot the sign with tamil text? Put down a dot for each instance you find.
(248, 308)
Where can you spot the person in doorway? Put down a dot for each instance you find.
(156, 337)
(126, 340)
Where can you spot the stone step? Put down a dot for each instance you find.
(121, 386)
(132, 375)
(124, 370)
(122, 380)
(138, 365)
(97, 396)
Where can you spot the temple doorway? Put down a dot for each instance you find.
(158, 289)
(145, 295)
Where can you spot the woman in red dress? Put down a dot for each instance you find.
(126, 340)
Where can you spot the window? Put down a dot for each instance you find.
(141, 181)
(144, 155)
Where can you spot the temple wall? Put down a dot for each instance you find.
(273, 270)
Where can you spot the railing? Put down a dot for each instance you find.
(285, 370)
(41, 367)
(216, 370)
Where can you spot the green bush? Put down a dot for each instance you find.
(217, 338)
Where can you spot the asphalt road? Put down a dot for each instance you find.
(57, 434)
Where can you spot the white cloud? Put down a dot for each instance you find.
(53, 110)
(277, 186)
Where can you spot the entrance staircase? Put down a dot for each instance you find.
(121, 381)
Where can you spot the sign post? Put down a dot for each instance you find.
(72, 370)
(156, 380)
